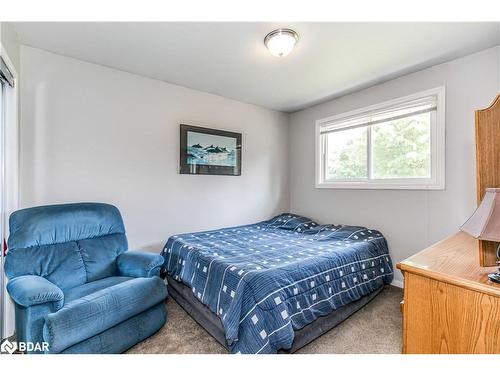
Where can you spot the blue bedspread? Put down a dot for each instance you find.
(268, 279)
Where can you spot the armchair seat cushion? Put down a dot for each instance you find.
(92, 287)
(94, 313)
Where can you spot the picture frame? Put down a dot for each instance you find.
(209, 151)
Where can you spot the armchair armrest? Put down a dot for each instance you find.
(31, 290)
(139, 264)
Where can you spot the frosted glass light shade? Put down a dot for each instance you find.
(281, 42)
(484, 224)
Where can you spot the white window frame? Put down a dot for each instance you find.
(437, 180)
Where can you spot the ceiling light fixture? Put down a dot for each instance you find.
(280, 42)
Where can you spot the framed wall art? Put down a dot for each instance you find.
(209, 151)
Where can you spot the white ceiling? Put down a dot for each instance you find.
(230, 59)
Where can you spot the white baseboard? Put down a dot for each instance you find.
(397, 283)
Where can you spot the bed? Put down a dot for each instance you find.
(275, 285)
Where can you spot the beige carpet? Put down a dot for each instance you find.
(376, 328)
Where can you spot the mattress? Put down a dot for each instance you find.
(267, 280)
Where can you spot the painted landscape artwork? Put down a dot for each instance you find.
(208, 149)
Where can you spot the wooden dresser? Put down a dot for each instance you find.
(449, 304)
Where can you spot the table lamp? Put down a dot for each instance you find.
(484, 224)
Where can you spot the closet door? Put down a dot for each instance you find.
(2, 206)
(9, 162)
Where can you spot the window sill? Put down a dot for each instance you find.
(378, 186)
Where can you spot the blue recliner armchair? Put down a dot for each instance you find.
(75, 285)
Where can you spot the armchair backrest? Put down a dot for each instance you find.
(68, 244)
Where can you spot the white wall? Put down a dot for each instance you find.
(90, 133)
(411, 220)
(10, 42)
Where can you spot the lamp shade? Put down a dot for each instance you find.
(484, 224)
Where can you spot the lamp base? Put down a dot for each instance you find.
(495, 277)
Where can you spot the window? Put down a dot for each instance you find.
(392, 145)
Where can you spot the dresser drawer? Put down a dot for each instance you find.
(449, 319)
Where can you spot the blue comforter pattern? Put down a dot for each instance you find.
(268, 279)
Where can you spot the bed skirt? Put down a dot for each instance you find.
(212, 324)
